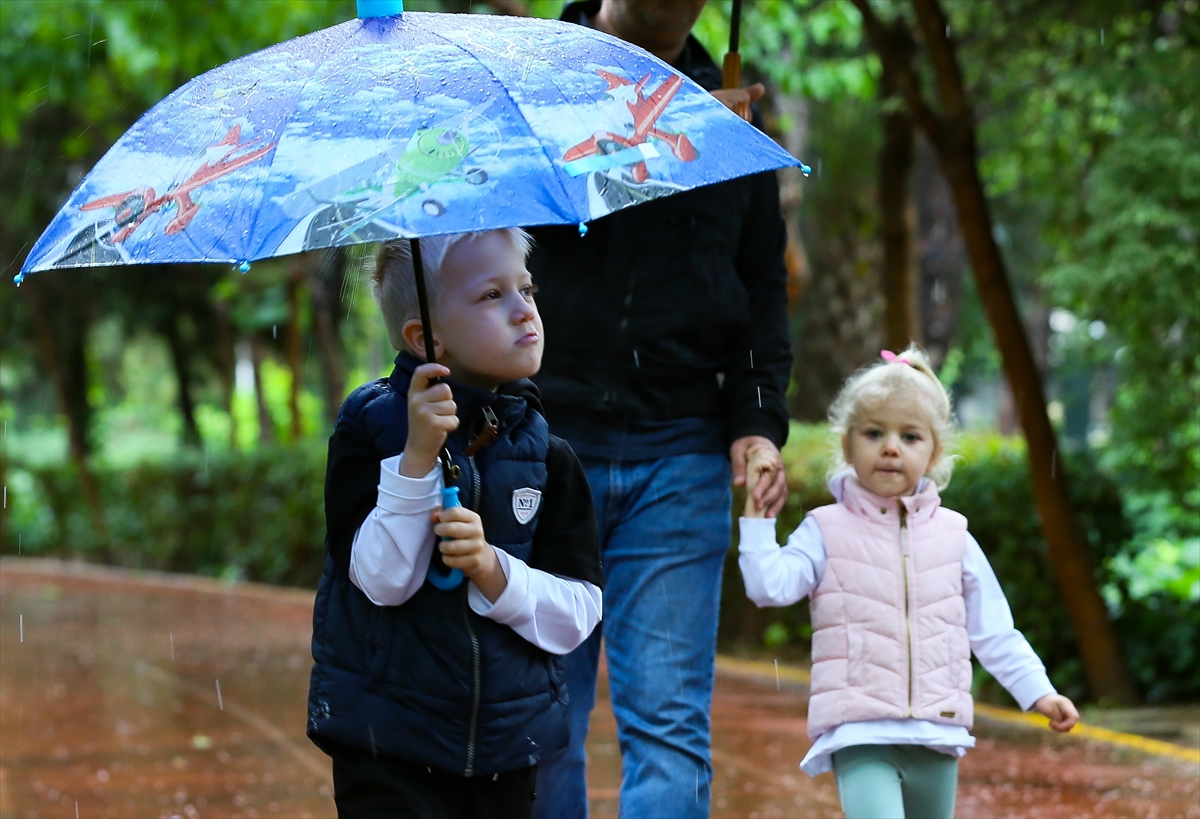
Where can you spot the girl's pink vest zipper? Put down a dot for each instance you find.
(889, 633)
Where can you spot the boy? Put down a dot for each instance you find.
(440, 703)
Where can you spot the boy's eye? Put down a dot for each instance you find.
(872, 434)
(529, 290)
(492, 294)
(911, 437)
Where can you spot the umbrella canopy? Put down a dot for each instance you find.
(410, 125)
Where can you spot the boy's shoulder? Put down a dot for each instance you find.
(370, 408)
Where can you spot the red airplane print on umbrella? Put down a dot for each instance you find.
(646, 111)
(135, 206)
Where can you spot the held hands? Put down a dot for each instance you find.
(1060, 710)
(465, 548)
(767, 489)
(431, 418)
(732, 98)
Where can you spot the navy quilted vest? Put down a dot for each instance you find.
(430, 681)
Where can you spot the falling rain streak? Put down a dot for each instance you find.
(220, 702)
(777, 675)
(171, 636)
(22, 626)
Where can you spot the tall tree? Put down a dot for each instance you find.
(951, 130)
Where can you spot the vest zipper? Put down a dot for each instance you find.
(475, 487)
(477, 672)
(476, 691)
(907, 620)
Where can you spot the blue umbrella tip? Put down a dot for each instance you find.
(583, 229)
(243, 268)
(805, 169)
(379, 8)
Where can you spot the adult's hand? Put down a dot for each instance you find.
(771, 492)
(732, 98)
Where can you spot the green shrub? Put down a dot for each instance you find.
(255, 516)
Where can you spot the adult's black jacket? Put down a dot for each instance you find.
(671, 309)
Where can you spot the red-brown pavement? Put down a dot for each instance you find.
(126, 695)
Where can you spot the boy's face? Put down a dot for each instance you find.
(486, 324)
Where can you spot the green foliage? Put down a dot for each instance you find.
(254, 516)
(1090, 134)
(1152, 588)
(810, 48)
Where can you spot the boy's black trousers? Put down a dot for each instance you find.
(366, 786)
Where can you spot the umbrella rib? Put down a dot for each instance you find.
(329, 54)
(566, 197)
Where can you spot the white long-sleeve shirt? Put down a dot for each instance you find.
(393, 547)
(777, 576)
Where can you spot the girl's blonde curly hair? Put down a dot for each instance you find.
(875, 384)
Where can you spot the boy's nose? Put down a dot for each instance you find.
(523, 312)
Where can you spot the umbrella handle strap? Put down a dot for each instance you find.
(438, 575)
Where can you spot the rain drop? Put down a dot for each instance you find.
(17, 279)
(583, 229)
(806, 170)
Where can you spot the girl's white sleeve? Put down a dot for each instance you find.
(775, 576)
(1001, 649)
(392, 549)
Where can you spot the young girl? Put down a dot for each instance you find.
(901, 594)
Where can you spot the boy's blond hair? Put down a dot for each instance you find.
(872, 386)
(394, 285)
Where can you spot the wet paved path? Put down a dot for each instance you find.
(127, 696)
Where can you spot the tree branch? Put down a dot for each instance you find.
(897, 61)
(935, 27)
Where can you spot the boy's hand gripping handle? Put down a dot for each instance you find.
(439, 575)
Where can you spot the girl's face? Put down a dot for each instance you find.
(892, 447)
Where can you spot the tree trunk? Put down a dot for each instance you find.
(896, 229)
(183, 377)
(326, 287)
(942, 257)
(226, 366)
(295, 277)
(953, 136)
(266, 425)
(71, 391)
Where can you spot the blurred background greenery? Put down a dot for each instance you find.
(175, 418)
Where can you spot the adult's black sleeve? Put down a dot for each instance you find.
(351, 490)
(759, 362)
(566, 542)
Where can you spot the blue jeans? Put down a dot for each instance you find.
(664, 531)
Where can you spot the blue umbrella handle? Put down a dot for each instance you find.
(444, 578)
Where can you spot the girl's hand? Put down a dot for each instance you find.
(465, 548)
(760, 466)
(1060, 710)
(431, 418)
(771, 493)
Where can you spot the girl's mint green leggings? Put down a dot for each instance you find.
(895, 782)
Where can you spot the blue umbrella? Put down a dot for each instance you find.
(399, 125)
(414, 124)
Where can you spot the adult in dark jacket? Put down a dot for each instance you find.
(668, 358)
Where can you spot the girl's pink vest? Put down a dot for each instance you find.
(889, 622)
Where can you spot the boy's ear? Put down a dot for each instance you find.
(414, 336)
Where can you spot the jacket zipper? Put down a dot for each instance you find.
(475, 487)
(476, 691)
(477, 672)
(907, 620)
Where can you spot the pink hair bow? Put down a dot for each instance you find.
(890, 357)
